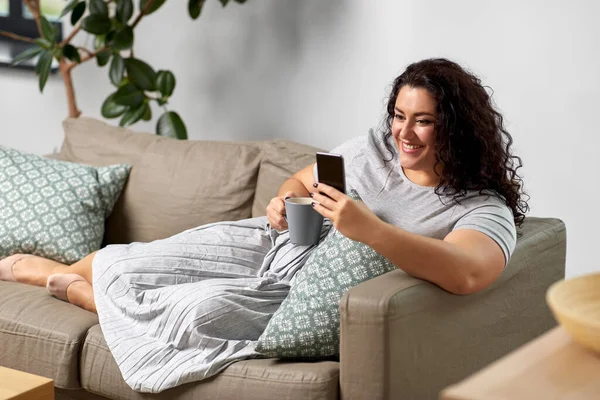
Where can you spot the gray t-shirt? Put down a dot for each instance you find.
(385, 189)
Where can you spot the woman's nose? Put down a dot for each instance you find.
(406, 131)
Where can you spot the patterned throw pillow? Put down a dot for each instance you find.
(54, 209)
(307, 324)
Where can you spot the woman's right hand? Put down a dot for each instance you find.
(276, 211)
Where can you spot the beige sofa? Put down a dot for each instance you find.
(401, 338)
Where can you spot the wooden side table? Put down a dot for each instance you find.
(551, 366)
(18, 385)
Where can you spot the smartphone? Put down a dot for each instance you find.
(330, 170)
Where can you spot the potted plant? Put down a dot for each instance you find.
(112, 24)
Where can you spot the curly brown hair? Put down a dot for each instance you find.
(472, 145)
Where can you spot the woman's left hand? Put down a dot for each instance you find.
(352, 218)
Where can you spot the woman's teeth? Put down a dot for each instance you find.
(411, 146)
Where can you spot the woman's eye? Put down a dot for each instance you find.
(424, 122)
(398, 116)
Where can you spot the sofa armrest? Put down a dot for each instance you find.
(403, 338)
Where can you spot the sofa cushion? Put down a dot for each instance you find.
(280, 160)
(249, 379)
(174, 185)
(307, 324)
(54, 209)
(41, 334)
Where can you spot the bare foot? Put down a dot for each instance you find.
(72, 288)
(34, 270)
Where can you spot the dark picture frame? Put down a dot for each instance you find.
(16, 22)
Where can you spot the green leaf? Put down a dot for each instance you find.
(68, 8)
(129, 95)
(109, 38)
(57, 53)
(161, 102)
(170, 124)
(71, 53)
(195, 8)
(117, 69)
(116, 24)
(140, 73)
(97, 24)
(240, 1)
(224, 2)
(148, 113)
(103, 57)
(38, 66)
(78, 12)
(42, 69)
(48, 30)
(165, 83)
(99, 41)
(123, 39)
(110, 109)
(124, 10)
(133, 115)
(155, 5)
(43, 43)
(98, 7)
(27, 55)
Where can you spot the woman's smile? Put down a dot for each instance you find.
(411, 148)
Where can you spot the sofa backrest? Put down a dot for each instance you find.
(173, 186)
(176, 185)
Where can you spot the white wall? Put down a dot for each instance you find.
(318, 72)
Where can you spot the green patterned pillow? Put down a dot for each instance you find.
(54, 209)
(307, 324)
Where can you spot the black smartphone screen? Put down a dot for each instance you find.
(330, 170)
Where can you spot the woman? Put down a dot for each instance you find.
(440, 199)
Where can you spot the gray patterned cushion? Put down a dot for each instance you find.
(307, 324)
(54, 209)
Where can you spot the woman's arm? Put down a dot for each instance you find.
(466, 261)
(301, 183)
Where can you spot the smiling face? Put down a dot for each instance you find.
(413, 129)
